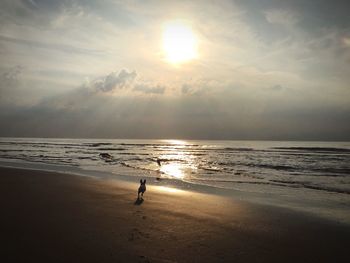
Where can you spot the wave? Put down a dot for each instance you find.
(314, 187)
(111, 149)
(274, 167)
(242, 182)
(315, 149)
(42, 159)
(156, 145)
(21, 150)
(40, 145)
(128, 153)
(98, 144)
(238, 149)
(168, 160)
(211, 169)
(333, 171)
(84, 151)
(281, 183)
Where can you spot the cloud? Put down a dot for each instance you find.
(12, 74)
(219, 116)
(33, 3)
(50, 46)
(264, 66)
(282, 17)
(223, 113)
(122, 80)
(144, 88)
(276, 87)
(186, 88)
(113, 81)
(9, 81)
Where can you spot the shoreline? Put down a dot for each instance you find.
(334, 207)
(63, 218)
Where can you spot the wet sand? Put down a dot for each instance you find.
(52, 217)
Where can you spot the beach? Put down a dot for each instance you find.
(55, 217)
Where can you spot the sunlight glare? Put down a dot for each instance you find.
(170, 189)
(173, 169)
(180, 142)
(179, 42)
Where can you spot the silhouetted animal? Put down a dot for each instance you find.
(142, 188)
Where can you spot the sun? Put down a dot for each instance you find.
(179, 42)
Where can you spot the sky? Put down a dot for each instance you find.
(264, 70)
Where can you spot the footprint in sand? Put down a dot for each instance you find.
(139, 213)
(137, 234)
(144, 259)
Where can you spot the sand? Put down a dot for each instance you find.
(52, 217)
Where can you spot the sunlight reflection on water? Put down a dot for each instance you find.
(173, 169)
(181, 142)
(177, 163)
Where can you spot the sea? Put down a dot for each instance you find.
(313, 177)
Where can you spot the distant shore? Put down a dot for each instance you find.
(52, 217)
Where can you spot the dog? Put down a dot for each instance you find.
(142, 188)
